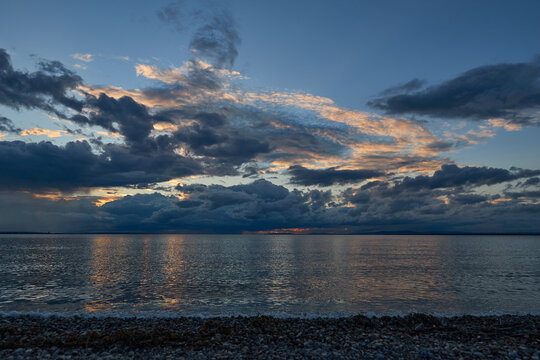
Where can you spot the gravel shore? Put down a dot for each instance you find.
(414, 336)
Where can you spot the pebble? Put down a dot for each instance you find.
(412, 336)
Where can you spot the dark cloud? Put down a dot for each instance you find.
(263, 189)
(495, 91)
(45, 89)
(123, 115)
(261, 206)
(357, 196)
(239, 149)
(8, 126)
(523, 194)
(469, 199)
(35, 166)
(535, 181)
(329, 176)
(450, 176)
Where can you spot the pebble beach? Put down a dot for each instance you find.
(414, 336)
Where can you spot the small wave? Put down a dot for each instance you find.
(278, 315)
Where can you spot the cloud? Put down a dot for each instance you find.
(152, 72)
(124, 116)
(217, 41)
(534, 181)
(534, 194)
(8, 126)
(195, 121)
(409, 86)
(264, 206)
(46, 132)
(222, 139)
(507, 91)
(43, 165)
(174, 14)
(260, 205)
(83, 57)
(330, 176)
(45, 89)
(215, 38)
(450, 176)
(123, 58)
(300, 129)
(506, 124)
(469, 199)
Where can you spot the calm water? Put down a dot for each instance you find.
(250, 274)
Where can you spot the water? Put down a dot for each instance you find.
(264, 274)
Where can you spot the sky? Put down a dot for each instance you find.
(270, 116)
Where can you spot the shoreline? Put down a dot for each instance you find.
(31, 336)
(149, 315)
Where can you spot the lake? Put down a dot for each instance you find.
(270, 274)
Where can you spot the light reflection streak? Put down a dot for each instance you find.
(108, 254)
(173, 268)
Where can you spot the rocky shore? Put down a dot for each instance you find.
(414, 336)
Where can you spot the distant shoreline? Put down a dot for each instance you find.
(209, 233)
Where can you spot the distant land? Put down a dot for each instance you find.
(283, 233)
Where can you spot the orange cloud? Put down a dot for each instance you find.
(178, 75)
(103, 200)
(506, 124)
(500, 200)
(46, 132)
(114, 135)
(153, 72)
(54, 196)
(166, 127)
(387, 142)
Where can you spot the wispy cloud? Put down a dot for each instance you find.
(45, 132)
(83, 57)
(80, 66)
